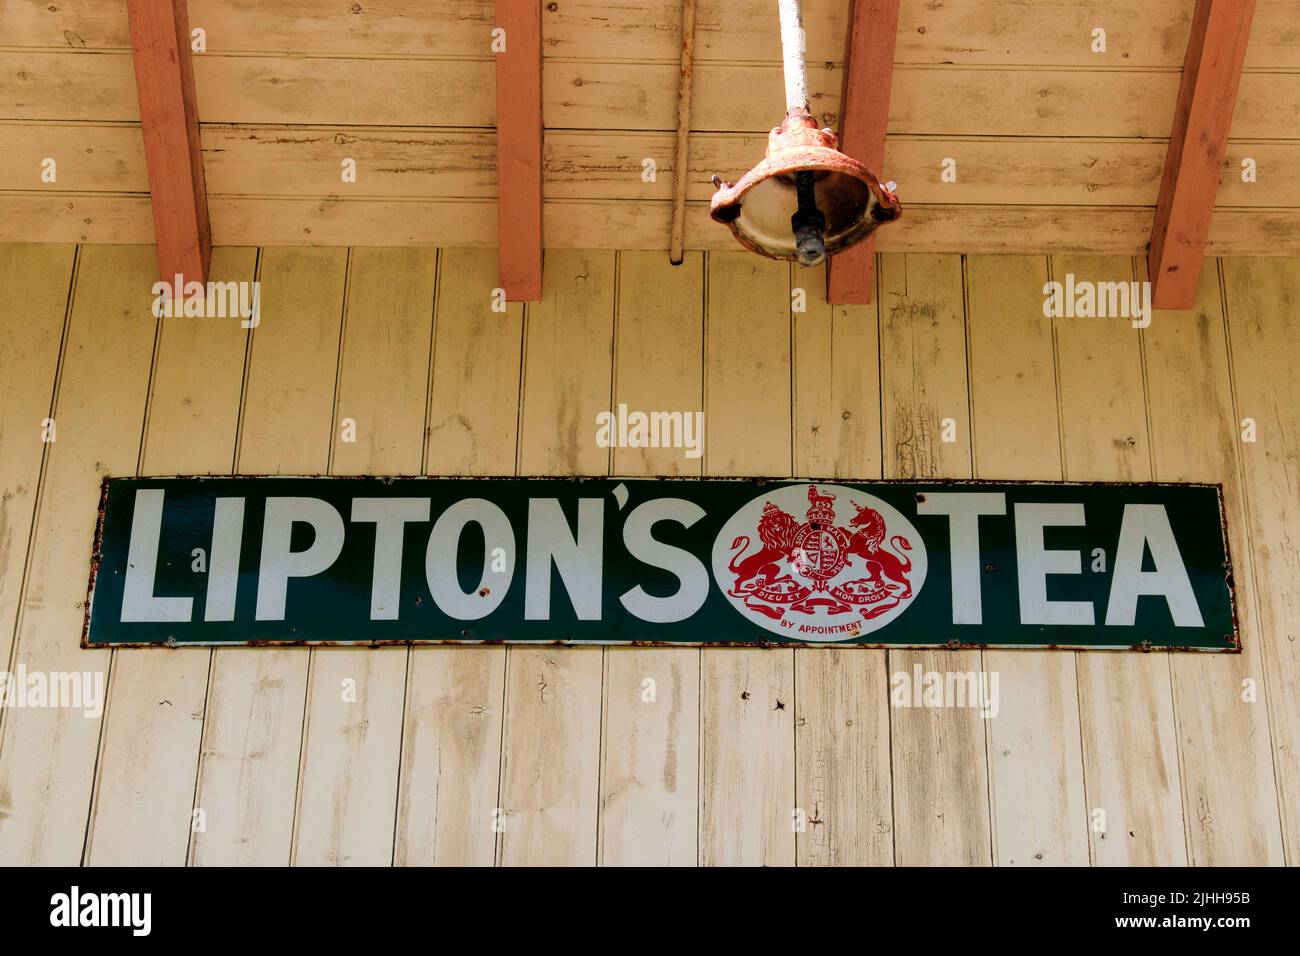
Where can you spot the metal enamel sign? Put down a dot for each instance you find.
(675, 561)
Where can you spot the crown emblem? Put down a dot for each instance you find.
(821, 508)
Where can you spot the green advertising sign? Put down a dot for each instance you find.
(675, 561)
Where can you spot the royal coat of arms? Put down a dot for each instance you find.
(819, 568)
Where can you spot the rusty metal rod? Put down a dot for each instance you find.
(681, 162)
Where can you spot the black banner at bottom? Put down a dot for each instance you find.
(304, 906)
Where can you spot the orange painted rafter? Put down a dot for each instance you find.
(164, 76)
(873, 31)
(519, 149)
(1216, 51)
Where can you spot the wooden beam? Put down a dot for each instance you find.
(1216, 50)
(873, 31)
(519, 149)
(682, 160)
(164, 76)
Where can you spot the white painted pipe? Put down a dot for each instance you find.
(792, 44)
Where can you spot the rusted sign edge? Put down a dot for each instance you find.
(1233, 641)
(1229, 577)
(96, 552)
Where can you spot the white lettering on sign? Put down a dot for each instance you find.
(440, 559)
(577, 559)
(1143, 527)
(963, 511)
(688, 569)
(279, 563)
(1034, 563)
(223, 568)
(892, 566)
(390, 517)
(139, 604)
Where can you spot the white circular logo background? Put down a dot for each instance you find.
(819, 562)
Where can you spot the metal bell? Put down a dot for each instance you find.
(806, 199)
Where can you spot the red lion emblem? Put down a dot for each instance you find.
(817, 551)
(762, 569)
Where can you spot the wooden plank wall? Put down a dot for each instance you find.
(287, 91)
(528, 755)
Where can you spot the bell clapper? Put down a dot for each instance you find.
(809, 223)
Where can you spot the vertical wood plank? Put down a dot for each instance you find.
(650, 770)
(37, 280)
(747, 367)
(154, 725)
(659, 360)
(842, 776)
(551, 752)
(451, 749)
(451, 756)
(1229, 801)
(747, 709)
(747, 758)
(1126, 708)
(474, 405)
(939, 759)
(252, 737)
(164, 76)
(47, 754)
(1035, 752)
(568, 341)
(551, 760)
(836, 385)
(519, 149)
(347, 792)
(649, 777)
(1264, 328)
